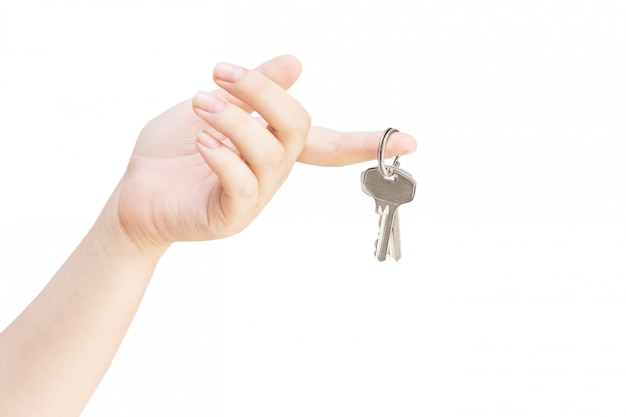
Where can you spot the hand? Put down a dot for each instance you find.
(186, 182)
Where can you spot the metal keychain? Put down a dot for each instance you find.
(390, 187)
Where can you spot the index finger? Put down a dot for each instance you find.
(326, 147)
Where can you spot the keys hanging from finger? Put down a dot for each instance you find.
(390, 187)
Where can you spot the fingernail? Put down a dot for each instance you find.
(208, 102)
(208, 141)
(228, 72)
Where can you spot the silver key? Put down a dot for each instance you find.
(389, 193)
(393, 247)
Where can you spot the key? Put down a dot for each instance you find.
(389, 193)
(393, 248)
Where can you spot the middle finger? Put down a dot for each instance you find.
(257, 146)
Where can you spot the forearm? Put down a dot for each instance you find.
(53, 356)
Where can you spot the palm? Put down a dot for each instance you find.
(169, 190)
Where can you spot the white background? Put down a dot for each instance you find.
(510, 299)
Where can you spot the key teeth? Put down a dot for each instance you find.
(384, 253)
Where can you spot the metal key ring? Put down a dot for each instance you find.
(384, 170)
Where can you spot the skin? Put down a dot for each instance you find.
(184, 181)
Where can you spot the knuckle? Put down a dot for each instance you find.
(277, 157)
(299, 124)
(239, 123)
(261, 85)
(305, 120)
(242, 119)
(248, 190)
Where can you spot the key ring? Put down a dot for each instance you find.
(385, 171)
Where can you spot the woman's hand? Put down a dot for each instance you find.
(186, 181)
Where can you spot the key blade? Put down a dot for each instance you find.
(392, 228)
(383, 235)
(394, 250)
(384, 231)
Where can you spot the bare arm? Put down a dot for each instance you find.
(53, 356)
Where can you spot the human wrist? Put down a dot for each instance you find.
(118, 243)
